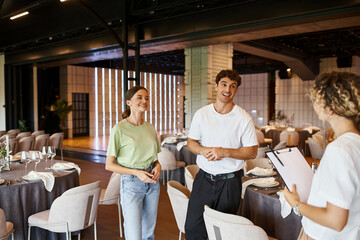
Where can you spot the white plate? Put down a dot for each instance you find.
(29, 179)
(62, 169)
(2, 181)
(266, 184)
(264, 174)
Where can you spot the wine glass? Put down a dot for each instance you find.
(35, 158)
(45, 155)
(52, 153)
(26, 160)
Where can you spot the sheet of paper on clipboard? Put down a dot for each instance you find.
(293, 169)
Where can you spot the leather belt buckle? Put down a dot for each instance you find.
(212, 178)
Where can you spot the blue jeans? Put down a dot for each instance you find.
(139, 203)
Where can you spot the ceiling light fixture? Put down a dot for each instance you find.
(19, 15)
(62, 0)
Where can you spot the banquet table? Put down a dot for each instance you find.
(183, 155)
(274, 134)
(262, 207)
(21, 199)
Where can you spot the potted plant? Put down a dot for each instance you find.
(22, 125)
(62, 109)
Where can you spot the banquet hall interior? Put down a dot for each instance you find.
(87, 53)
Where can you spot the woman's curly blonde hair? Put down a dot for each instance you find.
(340, 91)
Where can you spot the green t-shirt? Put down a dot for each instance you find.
(133, 146)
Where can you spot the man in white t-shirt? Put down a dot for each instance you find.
(223, 136)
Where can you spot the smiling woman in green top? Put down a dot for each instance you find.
(132, 152)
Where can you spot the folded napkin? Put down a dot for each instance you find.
(311, 129)
(285, 206)
(256, 180)
(169, 140)
(180, 145)
(268, 128)
(47, 177)
(66, 165)
(290, 129)
(259, 170)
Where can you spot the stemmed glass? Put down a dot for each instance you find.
(52, 153)
(45, 155)
(36, 158)
(26, 160)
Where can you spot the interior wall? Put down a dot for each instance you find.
(291, 93)
(252, 96)
(105, 102)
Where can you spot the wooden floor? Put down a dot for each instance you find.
(93, 143)
(107, 220)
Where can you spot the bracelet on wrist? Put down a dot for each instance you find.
(296, 209)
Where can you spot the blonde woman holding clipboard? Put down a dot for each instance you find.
(333, 207)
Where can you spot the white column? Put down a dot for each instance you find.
(2, 92)
(35, 98)
(202, 64)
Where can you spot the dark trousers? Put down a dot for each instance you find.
(222, 195)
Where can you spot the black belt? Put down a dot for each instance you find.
(223, 176)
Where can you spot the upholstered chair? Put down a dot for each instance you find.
(6, 228)
(25, 144)
(37, 133)
(291, 138)
(168, 162)
(40, 141)
(190, 173)
(111, 195)
(179, 199)
(74, 210)
(56, 139)
(231, 227)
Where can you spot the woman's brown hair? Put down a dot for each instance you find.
(340, 91)
(128, 95)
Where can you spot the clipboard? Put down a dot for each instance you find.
(293, 169)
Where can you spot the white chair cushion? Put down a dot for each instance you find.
(40, 218)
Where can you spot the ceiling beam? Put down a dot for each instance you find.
(305, 68)
(182, 39)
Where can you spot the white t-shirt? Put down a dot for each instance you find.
(337, 181)
(232, 130)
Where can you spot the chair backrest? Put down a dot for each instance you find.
(40, 141)
(2, 132)
(113, 188)
(23, 134)
(260, 136)
(25, 144)
(315, 149)
(190, 173)
(163, 136)
(77, 206)
(37, 133)
(221, 226)
(291, 138)
(13, 144)
(5, 227)
(257, 162)
(167, 159)
(56, 140)
(179, 199)
(280, 145)
(3, 137)
(320, 140)
(14, 131)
